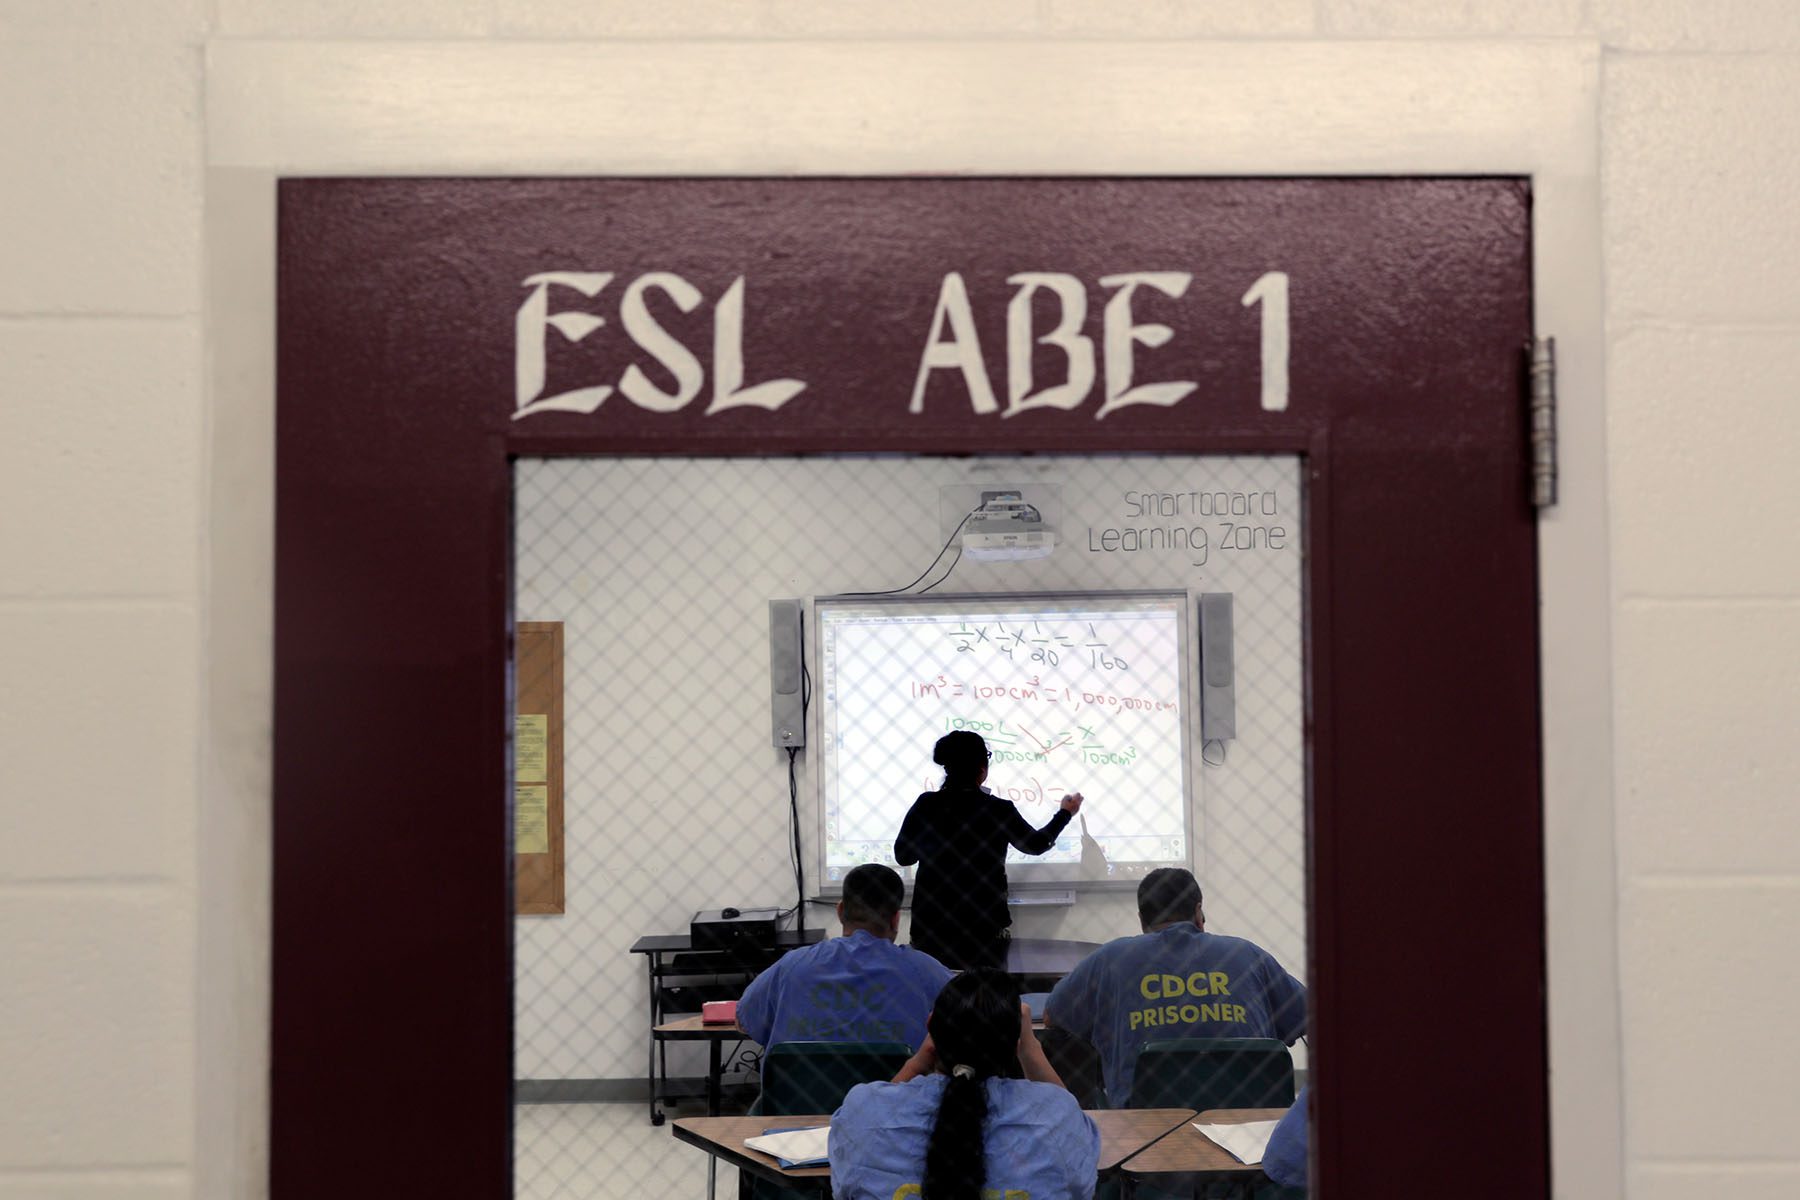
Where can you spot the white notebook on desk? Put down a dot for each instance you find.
(1245, 1142)
(795, 1147)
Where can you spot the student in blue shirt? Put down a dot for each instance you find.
(1174, 980)
(957, 1122)
(1284, 1160)
(860, 987)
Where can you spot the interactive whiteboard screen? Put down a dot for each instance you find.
(1074, 692)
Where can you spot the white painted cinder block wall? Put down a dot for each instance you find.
(106, 478)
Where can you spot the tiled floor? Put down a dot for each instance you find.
(601, 1151)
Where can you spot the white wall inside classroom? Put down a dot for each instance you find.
(133, 608)
(674, 798)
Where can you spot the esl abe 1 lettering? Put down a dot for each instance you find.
(951, 344)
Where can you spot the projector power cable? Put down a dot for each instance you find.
(936, 559)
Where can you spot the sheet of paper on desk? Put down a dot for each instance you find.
(1245, 1142)
(801, 1147)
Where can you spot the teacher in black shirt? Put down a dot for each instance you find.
(958, 835)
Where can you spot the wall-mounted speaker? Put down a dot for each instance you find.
(1218, 674)
(787, 713)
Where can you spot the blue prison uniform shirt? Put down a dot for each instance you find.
(1175, 983)
(858, 988)
(1039, 1144)
(1285, 1159)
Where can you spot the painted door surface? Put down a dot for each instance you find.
(430, 331)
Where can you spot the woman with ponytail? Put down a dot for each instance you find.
(959, 1119)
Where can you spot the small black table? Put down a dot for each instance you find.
(715, 968)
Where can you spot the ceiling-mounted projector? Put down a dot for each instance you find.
(1004, 527)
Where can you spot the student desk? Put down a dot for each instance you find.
(1124, 1132)
(1186, 1157)
(693, 1029)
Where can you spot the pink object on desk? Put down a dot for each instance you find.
(718, 1012)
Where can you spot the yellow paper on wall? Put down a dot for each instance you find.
(531, 818)
(531, 748)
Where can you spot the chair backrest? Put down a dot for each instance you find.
(1203, 1073)
(813, 1077)
(1078, 1063)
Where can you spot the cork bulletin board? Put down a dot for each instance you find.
(538, 770)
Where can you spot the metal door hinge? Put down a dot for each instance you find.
(1542, 353)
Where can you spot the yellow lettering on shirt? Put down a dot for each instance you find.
(908, 1190)
(1157, 1016)
(1160, 985)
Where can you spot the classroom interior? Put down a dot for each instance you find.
(674, 800)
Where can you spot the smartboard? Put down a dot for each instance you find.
(1074, 692)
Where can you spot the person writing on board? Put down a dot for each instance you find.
(958, 1122)
(958, 835)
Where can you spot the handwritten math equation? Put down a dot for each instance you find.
(1036, 743)
(942, 687)
(1035, 644)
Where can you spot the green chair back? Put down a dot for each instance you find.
(814, 1077)
(1078, 1064)
(1203, 1073)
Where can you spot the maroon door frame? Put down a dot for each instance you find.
(392, 1012)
